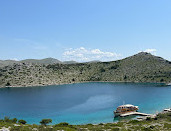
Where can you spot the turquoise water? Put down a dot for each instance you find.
(81, 103)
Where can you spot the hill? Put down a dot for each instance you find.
(7, 62)
(142, 67)
(69, 62)
(42, 61)
(45, 61)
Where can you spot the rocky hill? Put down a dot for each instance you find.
(7, 62)
(142, 67)
(42, 61)
(45, 61)
(69, 62)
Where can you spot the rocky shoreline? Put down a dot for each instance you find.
(84, 82)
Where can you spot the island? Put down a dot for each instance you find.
(141, 67)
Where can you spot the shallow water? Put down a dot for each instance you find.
(81, 103)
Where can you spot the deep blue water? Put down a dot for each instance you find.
(81, 103)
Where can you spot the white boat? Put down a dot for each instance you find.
(169, 84)
(167, 110)
(123, 109)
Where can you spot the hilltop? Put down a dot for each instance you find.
(45, 61)
(142, 67)
(42, 61)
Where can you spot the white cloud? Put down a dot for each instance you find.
(152, 51)
(82, 54)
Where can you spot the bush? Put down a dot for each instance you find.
(22, 122)
(167, 125)
(89, 124)
(14, 120)
(102, 70)
(114, 67)
(134, 121)
(6, 119)
(1, 120)
(8, 84)
(148, 119)
(62, 124)
(45, 121)
(115, 129)
(161, 80)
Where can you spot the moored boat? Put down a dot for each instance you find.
(123, 109)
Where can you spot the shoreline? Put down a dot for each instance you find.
(152, 116)
(165, 83)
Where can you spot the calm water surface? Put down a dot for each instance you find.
(81, 103)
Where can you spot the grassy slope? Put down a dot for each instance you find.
(142, 67)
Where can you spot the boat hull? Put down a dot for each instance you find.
(120, 112)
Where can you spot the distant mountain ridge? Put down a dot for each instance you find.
(141, 67)
(45, 61)
(7, 62)
(42, 61)
(69, 62)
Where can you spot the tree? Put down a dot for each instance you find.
(102, 70)
(8, 84)
(125, 77)
(45, 121)
(63, 124)
(161, 80)
(22, 122)
(14, 120)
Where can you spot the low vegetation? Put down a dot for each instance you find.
(162, 122)
(142, 67)
(45, 121)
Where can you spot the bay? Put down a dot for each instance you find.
(81, 103)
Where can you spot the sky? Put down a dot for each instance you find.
(84, 30)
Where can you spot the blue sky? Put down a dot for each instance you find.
(84, 30)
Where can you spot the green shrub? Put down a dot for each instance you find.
(148, 119)
(15, 128)
(167, 125)
(8, 84)
(14, 120)
(7, 119)
(146, 129)
(102, 70)
(22, 122)
(134, 121)
(62, 124)
(115, 129)
(1, 120)
(89, 124)
(45, 121)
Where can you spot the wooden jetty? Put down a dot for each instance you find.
(134, 113)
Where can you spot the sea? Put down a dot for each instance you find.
(81, 103)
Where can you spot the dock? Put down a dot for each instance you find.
(135, 113)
